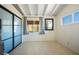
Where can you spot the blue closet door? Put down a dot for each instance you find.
(6, 32)
(17, 21)
(6, 17)
(8, 45)
(17, 40)
(17, 31)
(10, 37)
(7, 36)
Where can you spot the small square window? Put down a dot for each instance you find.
(49, 24)
(67, 19)
(76, 17)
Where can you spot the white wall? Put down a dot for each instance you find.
(68, 35)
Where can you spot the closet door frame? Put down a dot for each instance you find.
(13, 26)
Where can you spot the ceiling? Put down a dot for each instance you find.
(39, 10)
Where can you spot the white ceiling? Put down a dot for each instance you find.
(40, 10)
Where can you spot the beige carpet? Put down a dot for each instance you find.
(41, 48)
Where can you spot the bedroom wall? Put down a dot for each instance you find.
(68, 35)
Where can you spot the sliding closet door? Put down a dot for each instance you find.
(17, 31)
(7, 36)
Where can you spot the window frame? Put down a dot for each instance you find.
(33, 26)
(52, 24)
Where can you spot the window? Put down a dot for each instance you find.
(33, 26)
(49, 25)
(76, 17)
(67, 20)
(72, 18)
